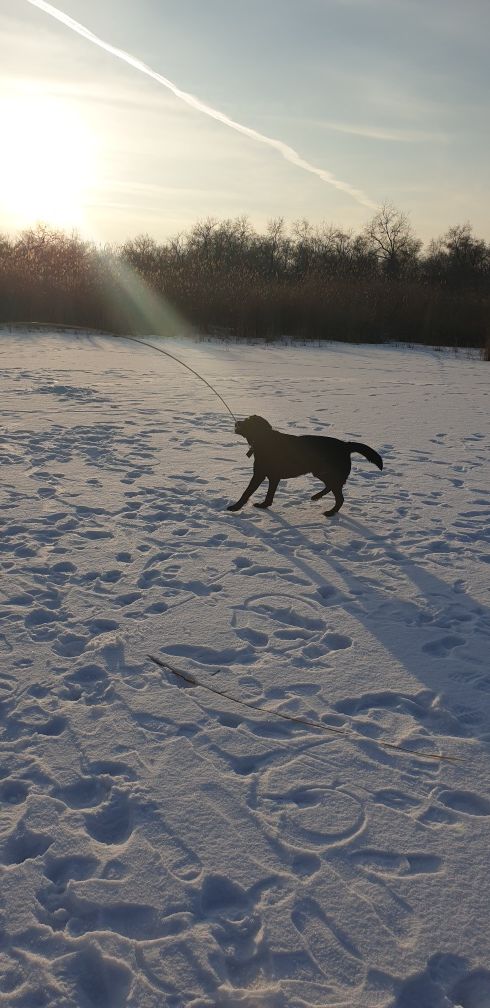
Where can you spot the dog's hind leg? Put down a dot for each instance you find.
(269, 497)
(321, 493)
(339, 500)
(324, 478)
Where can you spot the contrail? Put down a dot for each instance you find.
(288, 153)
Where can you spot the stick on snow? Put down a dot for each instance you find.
(319, 725)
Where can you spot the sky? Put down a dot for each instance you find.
(391, 97)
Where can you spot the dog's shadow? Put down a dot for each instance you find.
(445, 608)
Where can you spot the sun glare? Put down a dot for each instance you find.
(48, 165)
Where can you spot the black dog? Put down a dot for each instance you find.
(281, 456)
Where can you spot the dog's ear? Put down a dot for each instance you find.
(258, 425)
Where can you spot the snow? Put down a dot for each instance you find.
(161, 845)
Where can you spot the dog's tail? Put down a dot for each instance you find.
(369, 453)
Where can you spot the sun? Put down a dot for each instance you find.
(48, 163)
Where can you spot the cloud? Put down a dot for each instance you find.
(287, 152)
(382, 133)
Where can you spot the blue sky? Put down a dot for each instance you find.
(391, 96)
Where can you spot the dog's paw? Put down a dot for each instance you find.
(234, 507)
(261, 504)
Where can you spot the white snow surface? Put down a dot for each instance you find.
(163, 846)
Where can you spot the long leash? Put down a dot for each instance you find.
(136, 339)
(355, 736)
(166, 353)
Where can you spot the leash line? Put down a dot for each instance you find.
(166, 353)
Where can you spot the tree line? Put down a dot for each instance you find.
(312, 282)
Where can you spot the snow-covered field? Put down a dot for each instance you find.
(160, 845)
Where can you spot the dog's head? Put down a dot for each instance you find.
(253, 429)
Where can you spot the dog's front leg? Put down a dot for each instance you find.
(254, 484)
(269, 497)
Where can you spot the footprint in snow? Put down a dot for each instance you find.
(392, 863)
(443, 646)
(113, 823)
(467, 802)
(13, 792)
(23, 845)
(82, 793)
(92, 979)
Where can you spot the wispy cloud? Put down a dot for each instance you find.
(383, 133)
(287, 152)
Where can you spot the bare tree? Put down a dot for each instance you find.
(458, 259)
(390, 234)
(268, 254)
